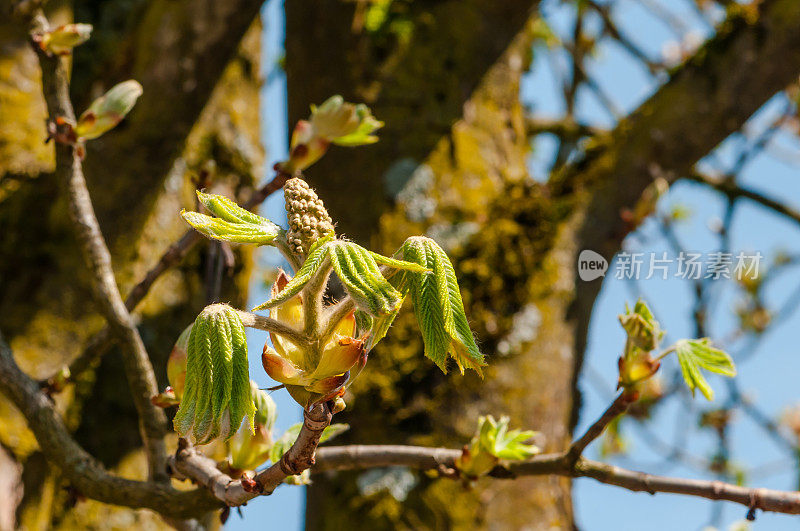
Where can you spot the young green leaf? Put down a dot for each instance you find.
(641, 326)
(438, 306)
(494, 441)
(696, 354)
(233, 223)
(228, 210)
(217, 396)
(317, 257)
(398, 264)
(362, 279)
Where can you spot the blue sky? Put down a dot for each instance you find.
(768, 375)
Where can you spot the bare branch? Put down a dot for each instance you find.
(360, 457)
(191, 464)
(764, 499)
(617, 408)
(69, 172)
(733, 191)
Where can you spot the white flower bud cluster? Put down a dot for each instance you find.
(308, 219)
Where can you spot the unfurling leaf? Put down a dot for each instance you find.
(333, 122)
(217, 396)
(642, 328)
(232, 224)
(696, 354)
(357, 270)
(362, 279)
(317, 256)
(438, 305)
(494, 441)
(108, 110)
(61, 40)
(343, 123)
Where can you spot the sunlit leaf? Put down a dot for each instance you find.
(438, 306)
(317, 256)
(697, 354)
(362, 279)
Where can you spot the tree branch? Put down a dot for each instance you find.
(733, 191)
(69, 172)
(191, 464)
(82, 470)
(358, 457)
(617, 408)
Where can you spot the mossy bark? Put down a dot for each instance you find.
(451, 163)
(199, 64)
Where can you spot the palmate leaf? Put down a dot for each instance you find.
(495, 438)
(228, 210)
(358, 270)
(362, 279)
(232, 224)
(438, 305)
(696, 354)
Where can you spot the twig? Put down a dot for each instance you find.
(69, 172)
(734, 191)
(360, 457)
(617, 407)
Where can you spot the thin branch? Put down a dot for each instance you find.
(734, 191)
(565, 128)
(358, 457)
(753, 498)
(617, 408)
(82, 470)
(69, 172)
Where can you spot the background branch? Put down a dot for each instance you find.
(69, 172)
(82, 470)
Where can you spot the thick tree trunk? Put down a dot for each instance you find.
(451, 163)
(198, 117)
